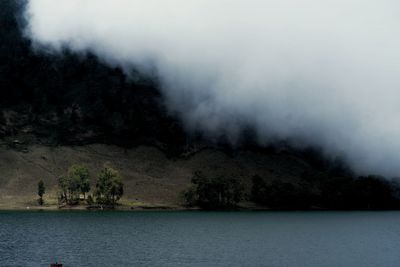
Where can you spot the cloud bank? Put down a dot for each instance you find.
(319, 73)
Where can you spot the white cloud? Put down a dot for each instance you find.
(316, 72)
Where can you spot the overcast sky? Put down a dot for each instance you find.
(324, 73)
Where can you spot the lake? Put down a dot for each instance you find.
(200, 238)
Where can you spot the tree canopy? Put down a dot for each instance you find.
(109, 187)
(79, 174)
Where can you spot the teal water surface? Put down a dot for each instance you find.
(200, 238)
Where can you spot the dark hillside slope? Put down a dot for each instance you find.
(69, 98)
(58, 109)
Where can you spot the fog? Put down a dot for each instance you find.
(311, 72)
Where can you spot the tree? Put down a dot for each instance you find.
(79, 179)
(109, 187)
(76, 182)
(41, 190)
(214, 193)
(69, 190)
(63, 189)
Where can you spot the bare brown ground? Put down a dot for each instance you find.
(151, 179)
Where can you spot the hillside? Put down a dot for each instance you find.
(59, 108)
(150, 178)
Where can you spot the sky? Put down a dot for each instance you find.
(310, 72)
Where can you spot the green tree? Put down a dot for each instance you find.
(109, 187)
(40, 191)
(68, 190)
(79, 179)
(72, 185)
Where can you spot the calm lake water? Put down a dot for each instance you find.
(200, 238)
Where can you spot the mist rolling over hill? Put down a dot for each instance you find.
(313, 73)
(297, 101)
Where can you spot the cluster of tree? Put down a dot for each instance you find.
(324, 185)
(108, 189)
(323, 191)
(214, 193)
(73, 184)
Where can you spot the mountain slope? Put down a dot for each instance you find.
(150, 177)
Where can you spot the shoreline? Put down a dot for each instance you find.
(155, 208)
(125, 207)
(87, 208)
